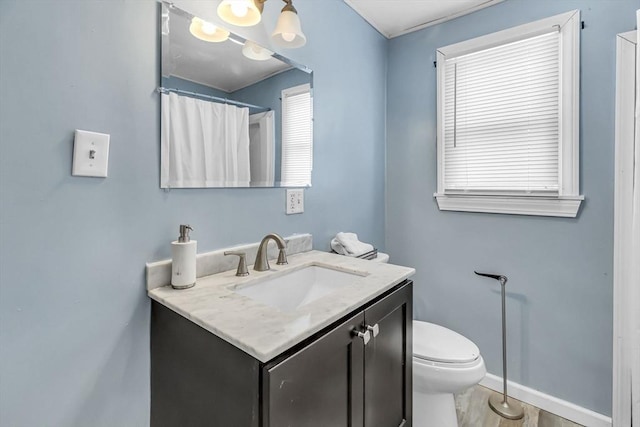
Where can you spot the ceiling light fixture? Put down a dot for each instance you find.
(245, 13)
(288, 32)
(206, 31)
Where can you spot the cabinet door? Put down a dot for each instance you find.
(388, 361)
(320, 385)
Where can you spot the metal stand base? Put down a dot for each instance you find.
(506, 408)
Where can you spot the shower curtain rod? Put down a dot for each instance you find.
(213, 98)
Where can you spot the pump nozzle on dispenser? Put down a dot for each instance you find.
(184, 233)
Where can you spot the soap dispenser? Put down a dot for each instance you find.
(183, 265)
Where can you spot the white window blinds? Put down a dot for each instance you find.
(501, 118)
(297, 145)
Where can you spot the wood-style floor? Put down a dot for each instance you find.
(474, 411)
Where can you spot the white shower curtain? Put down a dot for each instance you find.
(203, 144)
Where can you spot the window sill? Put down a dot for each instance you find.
(567, 206)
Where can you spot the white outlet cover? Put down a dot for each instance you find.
(90, 154)
(295, 201)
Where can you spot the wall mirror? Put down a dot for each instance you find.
(233, 114)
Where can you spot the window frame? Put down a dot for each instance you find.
(567, 202)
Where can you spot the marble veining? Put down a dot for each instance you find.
(263, 331)
(208, 263)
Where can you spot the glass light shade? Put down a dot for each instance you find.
(288, 32)
(243, 13)
(206, 31)
(256, 52)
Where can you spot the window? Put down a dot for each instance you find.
(508, 120)
(297, 136)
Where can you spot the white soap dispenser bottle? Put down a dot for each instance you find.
(183, 265)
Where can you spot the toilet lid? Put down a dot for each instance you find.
(439, 344)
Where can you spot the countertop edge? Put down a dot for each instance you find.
(276, 350)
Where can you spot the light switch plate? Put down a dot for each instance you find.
(295, 201)
(90, 154)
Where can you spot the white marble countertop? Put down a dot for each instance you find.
(263, 331)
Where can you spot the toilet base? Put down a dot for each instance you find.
(434, 410)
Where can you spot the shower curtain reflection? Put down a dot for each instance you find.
(204, 144)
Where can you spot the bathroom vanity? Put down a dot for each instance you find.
(224, 355)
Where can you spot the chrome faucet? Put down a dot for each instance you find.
(262, 264)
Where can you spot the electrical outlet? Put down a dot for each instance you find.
(295, 201)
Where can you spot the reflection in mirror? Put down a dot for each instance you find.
(234, 114)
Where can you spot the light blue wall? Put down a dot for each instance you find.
(559, 302)
(74, 316)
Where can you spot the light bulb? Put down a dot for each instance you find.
(243, 13)
(208, 28)
(288, 36)
(239, 9)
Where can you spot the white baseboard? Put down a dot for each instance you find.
(562, 408)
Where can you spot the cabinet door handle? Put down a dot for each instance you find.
(366, 336)
(375, 329)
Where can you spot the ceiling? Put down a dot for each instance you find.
(396, 17)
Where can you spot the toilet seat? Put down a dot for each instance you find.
(434, 343)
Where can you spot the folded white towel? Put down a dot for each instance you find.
(349, 245)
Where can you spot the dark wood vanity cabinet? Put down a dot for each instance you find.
(320, 385)
(332, 379)
(388, 361)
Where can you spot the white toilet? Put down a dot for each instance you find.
(444, 363)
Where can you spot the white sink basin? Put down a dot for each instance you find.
(297, 288)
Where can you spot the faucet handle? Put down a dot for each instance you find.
(242, 263)
(282, 257)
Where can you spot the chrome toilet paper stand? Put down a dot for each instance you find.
(502, 405)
